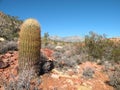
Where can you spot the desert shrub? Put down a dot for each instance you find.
(68, 57)
(99, 47)
(116, 53)
(95, 45)
(79, 47)
(8, 45)
(61, 60)
(108, 66)
(50, 46)
(22, 83)
(57, 55)
(12, 45)
(115, 78)
(46, 38)
(88, 72)
(69, 62)
(2, 45)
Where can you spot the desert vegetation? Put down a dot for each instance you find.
(63, 58)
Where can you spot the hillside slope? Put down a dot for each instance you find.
(9, 26)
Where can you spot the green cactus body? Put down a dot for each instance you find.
(29, 45)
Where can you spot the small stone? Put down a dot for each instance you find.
(55, 76)
(83, 88)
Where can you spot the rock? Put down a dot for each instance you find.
(8, 55)
(58, 47)
(55, 76)
(3, 65)
(69, 81)
(75, 77)
(64, 76)
(2, 39)
(47, 66)
(2, 57)
(83, 88)
(99, 62)
(6, 60)
(70, 72)
(56, 71)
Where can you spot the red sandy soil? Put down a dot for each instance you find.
(58, 80)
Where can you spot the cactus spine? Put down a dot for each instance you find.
(29, 45)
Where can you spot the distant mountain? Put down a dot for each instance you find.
(67, 39)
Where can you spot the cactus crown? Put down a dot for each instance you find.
(30, 23)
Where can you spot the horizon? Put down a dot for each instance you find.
(69, 17)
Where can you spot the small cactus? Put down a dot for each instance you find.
(29, 45)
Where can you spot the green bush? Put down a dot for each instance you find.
(98, 46)
(116, 53)
(94, 44)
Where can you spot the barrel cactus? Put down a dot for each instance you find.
(29, 45)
